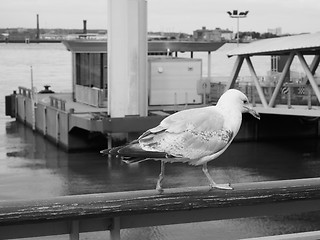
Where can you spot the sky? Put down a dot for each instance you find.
(293, 16)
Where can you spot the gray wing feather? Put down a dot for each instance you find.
(188, 134)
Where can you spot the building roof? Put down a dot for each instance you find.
(93, 46)
(307, 44)
(86, 46)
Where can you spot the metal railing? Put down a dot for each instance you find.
(58, 103)
(25, 92)
(290, 94)
(114, 211)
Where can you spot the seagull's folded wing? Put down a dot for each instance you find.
(189, 134)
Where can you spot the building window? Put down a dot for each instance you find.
(91, 70)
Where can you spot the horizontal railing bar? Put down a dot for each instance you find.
(146, 201)
(295, 110)
(201, 215)
(95, 212)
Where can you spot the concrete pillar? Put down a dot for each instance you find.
(127, 58)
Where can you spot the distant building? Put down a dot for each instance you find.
(212, 35)
(227, 35)
(21, 30)
(276, 31)
(168, 36)
(247, 38)
(207, 35)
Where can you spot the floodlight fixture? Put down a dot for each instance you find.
(236, 14)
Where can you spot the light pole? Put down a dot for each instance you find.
(237, 15)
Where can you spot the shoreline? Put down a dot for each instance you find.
(30, 41)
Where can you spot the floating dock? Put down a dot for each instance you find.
(72, 125)
(94, 113)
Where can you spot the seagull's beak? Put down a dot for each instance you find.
(252, 112)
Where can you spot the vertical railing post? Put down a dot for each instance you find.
(63, 105)
(253, 96)
(74, 233)
(289, 95)
(57, 127)
(309, 97)
(24, 111)
(115, 229)
(45, 121)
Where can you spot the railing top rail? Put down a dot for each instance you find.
(110, 205)
(57, 99)
(25, 88)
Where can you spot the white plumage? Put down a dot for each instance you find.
(195, 136)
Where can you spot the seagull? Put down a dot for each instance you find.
(194, 136)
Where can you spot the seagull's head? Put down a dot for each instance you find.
(237, 99)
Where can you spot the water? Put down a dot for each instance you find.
(32, 168)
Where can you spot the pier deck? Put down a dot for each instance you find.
(73, 125)
(70, 105)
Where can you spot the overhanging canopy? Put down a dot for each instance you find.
(94, 46)
(298, 45)
(306, 44)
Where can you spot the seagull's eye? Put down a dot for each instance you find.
(245, 101)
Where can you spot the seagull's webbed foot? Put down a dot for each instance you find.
(159, 188)
(212, 183)
(226, 186)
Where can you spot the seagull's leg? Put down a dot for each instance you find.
(212, 183)
(161, 177)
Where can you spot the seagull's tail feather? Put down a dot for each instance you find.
(131, 160)
(111, 151)
(105, 151)
(133, 153)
